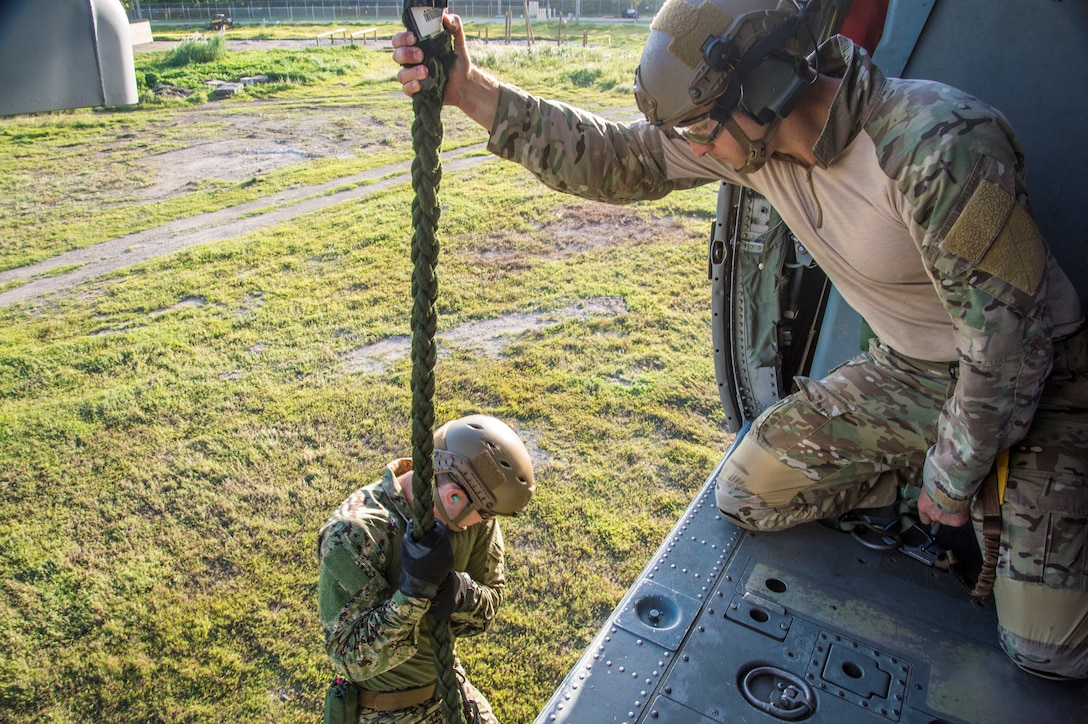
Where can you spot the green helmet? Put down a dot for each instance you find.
(707, 57)
(488, 460)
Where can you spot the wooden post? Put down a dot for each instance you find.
(528, 25)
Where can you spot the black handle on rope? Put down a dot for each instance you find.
(426, 178)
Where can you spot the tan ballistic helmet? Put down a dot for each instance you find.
(696, 47)
(488, 460)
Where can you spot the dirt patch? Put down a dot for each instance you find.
(578, 228)
(489, 336)
(251, 144)
(220, 161)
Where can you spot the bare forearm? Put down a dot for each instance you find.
(479, 98)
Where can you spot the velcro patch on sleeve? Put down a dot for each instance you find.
(1000, 236)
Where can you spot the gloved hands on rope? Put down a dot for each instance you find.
(425, 564)
(455, 595)
(427, 572)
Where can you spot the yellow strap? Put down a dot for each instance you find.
(989, 496)
(1002, 463)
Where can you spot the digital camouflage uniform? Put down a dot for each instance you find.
(917, 211)
(376, 636)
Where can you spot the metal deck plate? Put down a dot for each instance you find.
(875, 636)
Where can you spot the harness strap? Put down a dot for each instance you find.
(755, 151)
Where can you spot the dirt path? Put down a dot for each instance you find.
(101, 259)
(258, 142)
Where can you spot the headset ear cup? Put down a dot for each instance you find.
(773, 89)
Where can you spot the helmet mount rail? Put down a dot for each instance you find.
(460, 469)
(767, 48)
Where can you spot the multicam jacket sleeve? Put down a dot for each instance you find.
(961, 172)
(577, 152)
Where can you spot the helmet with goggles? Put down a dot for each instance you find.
(706, 58)
(488, 461)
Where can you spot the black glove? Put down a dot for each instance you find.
(454, 596)
(425, 563)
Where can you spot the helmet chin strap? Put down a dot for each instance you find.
(454, 524)
(755, 151)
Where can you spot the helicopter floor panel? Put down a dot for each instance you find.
(725, 625)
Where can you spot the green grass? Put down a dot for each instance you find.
(74, 179)
(171, 438)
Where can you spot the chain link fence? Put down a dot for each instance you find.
(335, 11)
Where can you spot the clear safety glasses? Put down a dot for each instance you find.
(697, 133)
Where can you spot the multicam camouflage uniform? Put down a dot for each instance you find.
(376, 636)
(917, 211)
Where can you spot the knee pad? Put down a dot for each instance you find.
(1047, 661)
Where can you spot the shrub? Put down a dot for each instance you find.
(584, 77)
(197, 50)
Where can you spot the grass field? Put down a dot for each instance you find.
(172, 436)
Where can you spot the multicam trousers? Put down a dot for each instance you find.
(855, 438)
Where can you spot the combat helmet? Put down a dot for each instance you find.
(705, 58)
(489, 461)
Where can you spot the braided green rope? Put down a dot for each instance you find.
(426, 177)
